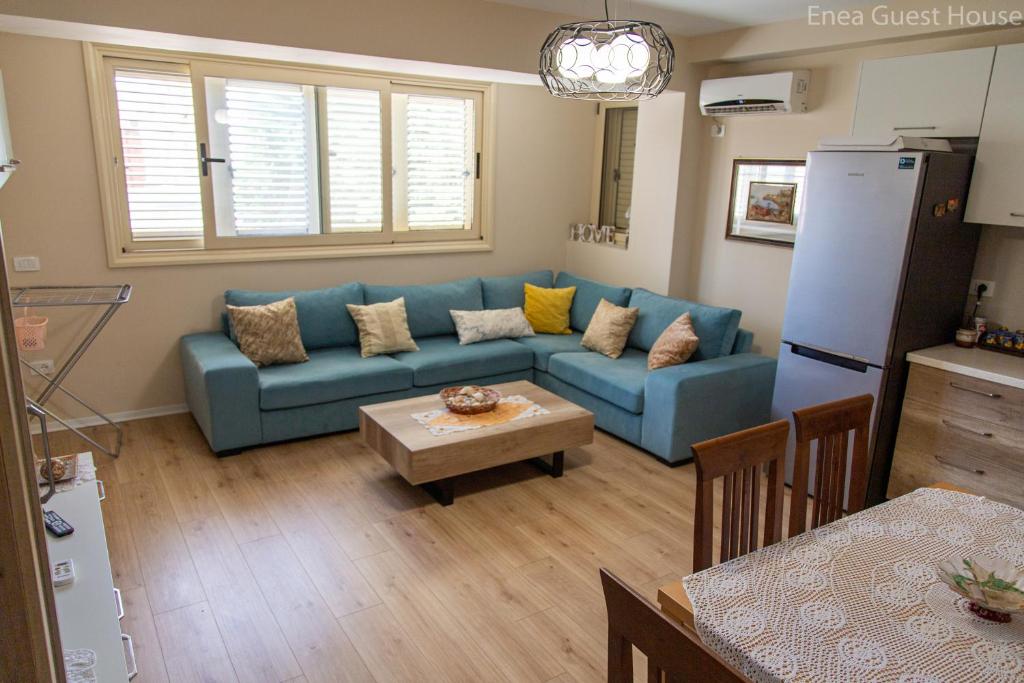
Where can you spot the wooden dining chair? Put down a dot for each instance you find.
(672, 651)
(738, 459)
(830, 424)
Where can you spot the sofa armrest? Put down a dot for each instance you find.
(686, 404)
(222, 389)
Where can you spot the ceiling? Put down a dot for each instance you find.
(689, 17)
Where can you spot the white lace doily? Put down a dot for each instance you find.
(440, 430)
(860, 600)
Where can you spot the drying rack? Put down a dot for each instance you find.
(110, 296)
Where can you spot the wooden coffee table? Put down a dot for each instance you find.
(433, 461)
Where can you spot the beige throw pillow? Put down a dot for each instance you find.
(675, 345)
(383, 328)
(609, 328)
(269, 334)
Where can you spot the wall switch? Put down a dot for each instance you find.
(44, 366)
(24, 264)
(991, 291)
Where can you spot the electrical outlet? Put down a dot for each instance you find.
(44, 366)
(25, 264)
(991, 291)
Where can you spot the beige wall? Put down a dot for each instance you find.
(50, 209)
(648, 260)
(755, 277)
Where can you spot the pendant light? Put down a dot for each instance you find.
(621, 59)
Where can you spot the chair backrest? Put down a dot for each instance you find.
(671, 649)
(738, 459)
(830, 425)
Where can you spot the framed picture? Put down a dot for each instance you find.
(764, 202)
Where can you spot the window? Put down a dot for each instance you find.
(203, 157)
(619, 150)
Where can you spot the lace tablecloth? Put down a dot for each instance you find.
(860, 600)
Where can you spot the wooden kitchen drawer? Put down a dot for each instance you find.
(935, 444)
(969, 396)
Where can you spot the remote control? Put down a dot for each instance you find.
(63, 572)
(56, 525)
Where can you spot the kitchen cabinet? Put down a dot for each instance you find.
(939, 95)
(996, 197)
(962, 423)
(7, 161)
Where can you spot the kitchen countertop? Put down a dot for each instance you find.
(993, 366)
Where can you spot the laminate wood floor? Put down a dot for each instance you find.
(314, 561)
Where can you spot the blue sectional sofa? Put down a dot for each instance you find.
(721, 389)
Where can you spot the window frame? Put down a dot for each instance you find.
(123, 250)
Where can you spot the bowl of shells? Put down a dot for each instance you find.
(471, 399)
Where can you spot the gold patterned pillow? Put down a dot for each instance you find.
(383, 328)
(609, 328)
(269, 334)
(675, 345)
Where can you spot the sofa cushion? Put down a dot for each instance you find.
(507, 292)
(441, 360)
(588, 294)
(620, 381)
(545, 345)
(330, 375)
(427, 306)
(548, 309)
(323, 320)
(715, 326)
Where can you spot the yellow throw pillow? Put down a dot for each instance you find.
(609, 328)
(675, 345)
(547, 309)
(383, 328)
(269, 334)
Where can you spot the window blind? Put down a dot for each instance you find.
(271, 151)
(627, 153)
(355, 159)
(440, 161)
(158, 141)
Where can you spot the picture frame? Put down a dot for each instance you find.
(764, 200)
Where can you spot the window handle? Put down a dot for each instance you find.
(206, 161)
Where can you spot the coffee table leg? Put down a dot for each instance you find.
(555, 468)
(442, 490)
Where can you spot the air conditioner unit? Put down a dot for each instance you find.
(784, 92)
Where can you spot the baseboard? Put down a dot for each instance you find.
(93, 421)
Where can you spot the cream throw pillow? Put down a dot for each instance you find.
(269, 334)
(383, 328)
(609, 328)
(495, 323)
(675, 345)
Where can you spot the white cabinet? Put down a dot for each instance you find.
(997, 190)
(940, 95)
(7, 161)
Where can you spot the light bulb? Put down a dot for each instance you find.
(575, 58)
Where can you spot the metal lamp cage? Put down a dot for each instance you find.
(610, 60)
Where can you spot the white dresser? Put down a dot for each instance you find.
(87, 610)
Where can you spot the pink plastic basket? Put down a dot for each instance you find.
(30, 332)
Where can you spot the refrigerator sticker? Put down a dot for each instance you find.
(952, 205)
(907, 162)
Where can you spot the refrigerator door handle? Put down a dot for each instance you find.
(847, 362)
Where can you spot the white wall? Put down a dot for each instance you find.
(755, 277)
(648, 260)
(50, 209)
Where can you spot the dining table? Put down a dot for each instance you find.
(860, 599)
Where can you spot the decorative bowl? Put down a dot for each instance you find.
(470, 399)
(994, 587)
